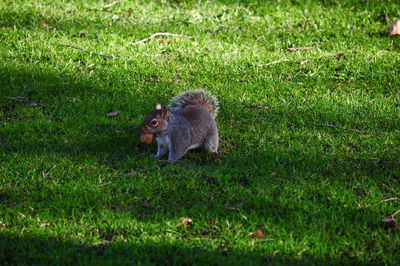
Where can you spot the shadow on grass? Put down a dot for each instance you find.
(103, 135)
(34, 250)
(118, 151)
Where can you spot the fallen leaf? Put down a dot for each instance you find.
(306, 23)
(394, 29)
(185, 221)
(257, 234)
(113, 113)
(167, 41)
(46, 26)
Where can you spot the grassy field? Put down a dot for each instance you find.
(78, 186)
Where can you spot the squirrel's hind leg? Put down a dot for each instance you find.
(177, 150)
(211, 143)
(176, 154)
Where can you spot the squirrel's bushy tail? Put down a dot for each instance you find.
(195, 97)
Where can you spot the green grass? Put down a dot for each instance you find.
(315, 192)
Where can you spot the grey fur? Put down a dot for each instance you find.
(190, 125)
(186, 134)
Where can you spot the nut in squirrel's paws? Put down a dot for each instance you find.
(146, 138)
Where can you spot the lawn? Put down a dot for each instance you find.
(309, 122)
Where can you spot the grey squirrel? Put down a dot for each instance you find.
(187, 123)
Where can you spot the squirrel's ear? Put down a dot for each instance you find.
(158, 106)
(164, 111)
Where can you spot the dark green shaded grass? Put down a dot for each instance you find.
(315, 192)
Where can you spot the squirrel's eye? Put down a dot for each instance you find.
(154, 122)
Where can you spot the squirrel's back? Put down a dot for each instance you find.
(198, 98)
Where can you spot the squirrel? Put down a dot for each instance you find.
(188, 122)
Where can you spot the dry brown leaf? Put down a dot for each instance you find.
(161, 40)
(46, 26)
(273, 174)
(257, 234)
(184, 221)
(394, 29)
(306, 23)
